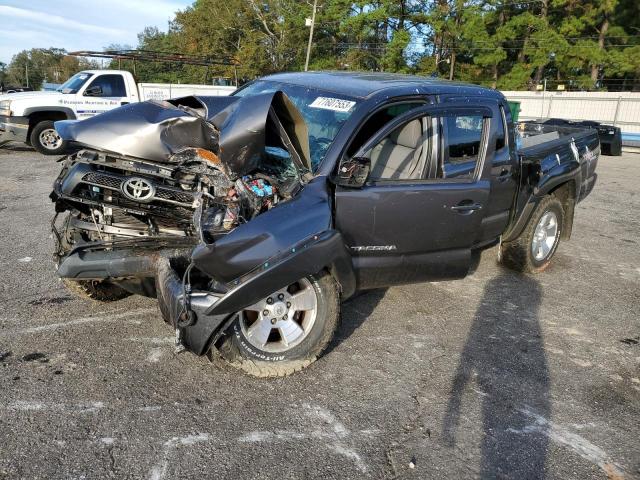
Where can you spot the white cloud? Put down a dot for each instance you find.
(56, 21)
(162, 7)
(78, 24)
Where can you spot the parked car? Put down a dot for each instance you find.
(29, 117)
(11, 89)
(251, 217)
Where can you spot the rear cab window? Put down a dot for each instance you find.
(462, 146)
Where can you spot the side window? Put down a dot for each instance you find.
(377, 121)
(403, 154)
(111, 85)
(463, 141)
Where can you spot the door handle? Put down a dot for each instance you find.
(505, 174)
(466, 207)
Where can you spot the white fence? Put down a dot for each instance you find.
(615, 108)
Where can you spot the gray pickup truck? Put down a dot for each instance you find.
(250, 217)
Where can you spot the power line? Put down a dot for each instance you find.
(460, 48)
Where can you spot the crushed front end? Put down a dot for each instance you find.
(172, 201)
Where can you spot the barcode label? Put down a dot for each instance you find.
(335, 104)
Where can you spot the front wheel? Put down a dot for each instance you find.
(532, 251)
(97, 290)
(286, 331)
(46, 140)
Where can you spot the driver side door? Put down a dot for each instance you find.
(419, 213)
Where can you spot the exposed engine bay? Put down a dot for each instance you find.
(185, 171)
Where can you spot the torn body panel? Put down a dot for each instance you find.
(280, 229)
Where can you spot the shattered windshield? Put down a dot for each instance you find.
(75, 83)
(323, 112)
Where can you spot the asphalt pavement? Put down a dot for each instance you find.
(499, 375)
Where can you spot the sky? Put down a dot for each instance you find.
(79, 24)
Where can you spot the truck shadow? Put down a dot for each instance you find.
(355, 311)
(503, 364)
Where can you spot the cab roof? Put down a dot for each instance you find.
(106, 71)
(365, 84)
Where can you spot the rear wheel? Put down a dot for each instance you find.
(46, 140)
(286, 331)
(98, 290)
(532, 251)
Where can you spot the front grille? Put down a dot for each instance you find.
(162, 194)
(174, 195)
(107, 181)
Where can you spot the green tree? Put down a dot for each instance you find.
(38, 65)
(3, 73)
(501, 43)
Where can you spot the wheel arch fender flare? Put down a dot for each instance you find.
(326, 251)
(569, 187)
(41, 114)
(43, 111)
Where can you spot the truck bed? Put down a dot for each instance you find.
(534, 135)
(557, 149)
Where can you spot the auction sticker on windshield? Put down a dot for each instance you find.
(335, 104)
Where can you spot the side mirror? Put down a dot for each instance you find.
(353, 173)
(93, 91)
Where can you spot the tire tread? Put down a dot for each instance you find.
(102, 292)
(232, 356)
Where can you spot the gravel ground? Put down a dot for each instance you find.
(495, 376)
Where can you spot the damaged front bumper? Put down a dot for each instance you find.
(206, 326)
(101, 265)
(13, 129)
(212, 311)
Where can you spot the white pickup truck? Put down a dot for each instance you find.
(28, 116)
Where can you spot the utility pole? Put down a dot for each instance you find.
(313, 22)
(26, 72)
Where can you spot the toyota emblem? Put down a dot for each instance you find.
(138, 189)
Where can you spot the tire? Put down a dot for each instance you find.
(239, 351)
(519, 253)
(43, 139)
(99, 291)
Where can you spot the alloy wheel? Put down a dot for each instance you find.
(545, 236)
(283, 319)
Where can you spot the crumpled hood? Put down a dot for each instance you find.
(236, 129)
